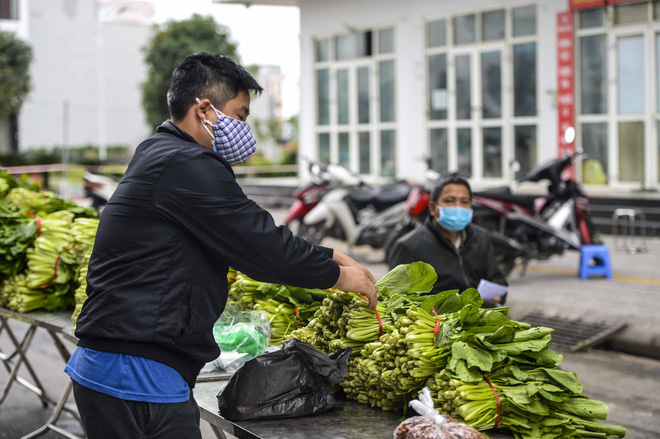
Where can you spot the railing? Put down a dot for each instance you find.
(270, 170)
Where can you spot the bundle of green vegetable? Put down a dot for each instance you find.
(80, 294)
(287, 308)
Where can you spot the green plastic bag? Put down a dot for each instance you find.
(241, 336)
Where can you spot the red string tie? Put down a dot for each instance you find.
(380, 322)
(57, 259)
(437, 322)
(497, 398)
(297, 315)
(38, 218)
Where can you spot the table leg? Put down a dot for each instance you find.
(50, 424)
(19, 352)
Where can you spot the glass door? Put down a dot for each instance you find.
(631, 107)
(476, 113)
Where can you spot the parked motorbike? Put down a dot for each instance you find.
(322, 178)
(358, 214)
(98, 188)
(530, 227)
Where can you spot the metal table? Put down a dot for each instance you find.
(59, 327)
(347, 420)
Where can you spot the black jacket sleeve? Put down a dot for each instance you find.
(202, 195)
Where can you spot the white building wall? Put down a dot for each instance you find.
(88, 64)
(319, 18)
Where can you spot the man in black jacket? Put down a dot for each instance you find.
(460, 253)
(157, 275)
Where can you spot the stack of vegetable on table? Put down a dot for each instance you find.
(482, 368)
(43, 242)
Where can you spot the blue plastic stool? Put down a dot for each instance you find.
(600, 254)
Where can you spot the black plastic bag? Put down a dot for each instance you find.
(293, 381)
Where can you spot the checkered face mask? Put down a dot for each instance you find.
(232, 138)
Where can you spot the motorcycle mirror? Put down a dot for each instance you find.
(569, 135)
(514, 165)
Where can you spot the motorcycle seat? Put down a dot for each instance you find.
(504, 194)
(380, 197)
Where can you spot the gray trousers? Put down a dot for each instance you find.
(104, 416)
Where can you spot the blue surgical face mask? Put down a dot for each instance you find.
(454, 218)
(232, 138)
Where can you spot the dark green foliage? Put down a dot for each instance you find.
(171, 43)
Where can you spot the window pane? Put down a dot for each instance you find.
(463, 87)
(365, 153)
(491, 83)
(525, 151)
(386, 87)
(437, 33)
(656, 10)
(594, 143)
(386, 40)
(345, 46)
(324, 147)
(631, 151)
(592, 18)
(344, 150)
(322, 50)
(438, 86)
(439, 151)
(342, 97)
(492, 152)
(524, 79)
(593, 74)
(658, 152)
(464, 139)
(364, 47)
(387, 153)
(323, 96)
(631, 74)
(634, 13)
(465, 28)
(493, 25)
(363, 94)
(524, 21)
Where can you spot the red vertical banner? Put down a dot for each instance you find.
(565, 80)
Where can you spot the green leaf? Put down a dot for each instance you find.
(473, 356)
(417, 277)
(568, 380)
(437, 300)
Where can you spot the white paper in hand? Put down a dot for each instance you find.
(490, 290)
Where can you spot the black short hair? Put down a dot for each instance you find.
(454, 178)
(205, 75)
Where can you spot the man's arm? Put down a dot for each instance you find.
(202, 196)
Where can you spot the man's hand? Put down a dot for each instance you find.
(357, 280)
(346, 261)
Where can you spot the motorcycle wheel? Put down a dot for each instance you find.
(506, 263)
(393, 237)
(313, 233)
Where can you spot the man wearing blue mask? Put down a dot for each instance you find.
(157, 279)
(460, 253)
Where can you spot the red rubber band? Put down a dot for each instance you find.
(57, 259)
(380, 322)
(297, 315)
(437, 322)
(497, 398)
(38, 218)
(232, 276)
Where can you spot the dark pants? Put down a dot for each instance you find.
(104, 416)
